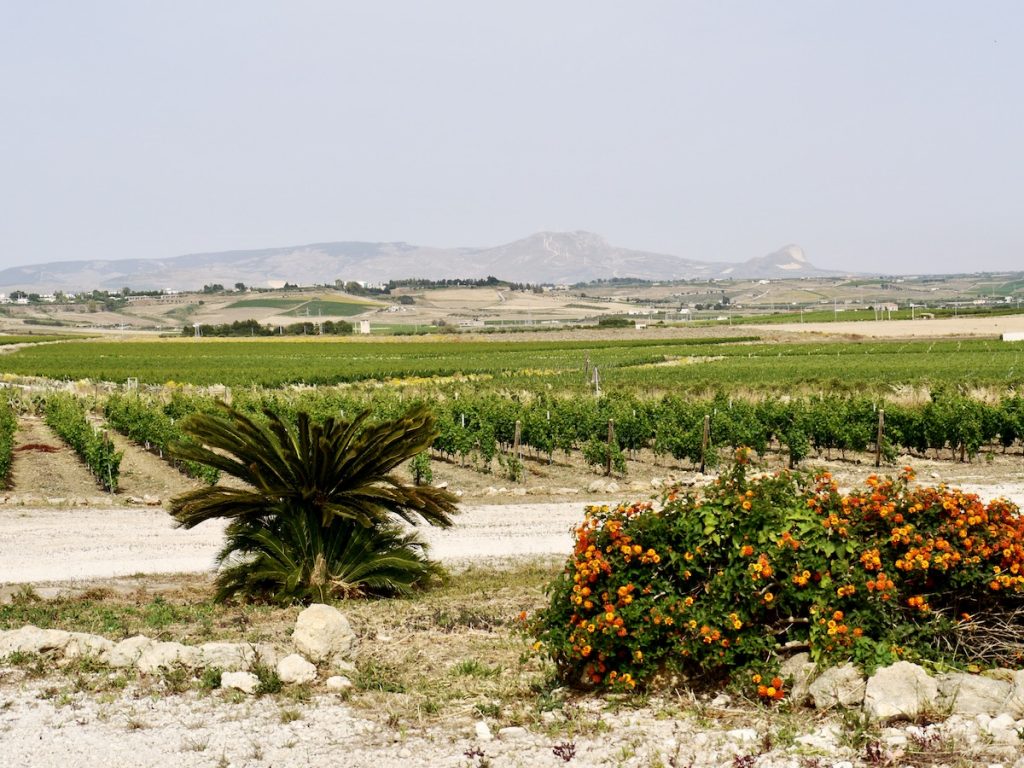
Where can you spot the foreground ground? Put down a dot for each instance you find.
(443, 679)
(430, 670)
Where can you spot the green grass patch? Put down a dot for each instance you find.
(330, 308)
(265, 303)
(5, 340)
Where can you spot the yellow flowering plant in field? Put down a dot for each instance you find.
(731, 578)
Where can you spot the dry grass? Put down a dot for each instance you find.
(450, 654)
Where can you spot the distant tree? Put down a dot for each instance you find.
(240, 287)
(406, 300)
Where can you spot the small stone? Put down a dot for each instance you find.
(338, 683)
(294, 669)
(490, 491)
(404, 753)
(657, 483)
(518, 491)
(721, 700)
(483, 731)
(246, 682)
(612, 487)
(151, 501)
(597, 486)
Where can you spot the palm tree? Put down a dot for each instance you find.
(319, 513)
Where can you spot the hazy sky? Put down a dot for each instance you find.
(877, 135)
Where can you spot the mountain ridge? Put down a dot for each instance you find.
(542, 257)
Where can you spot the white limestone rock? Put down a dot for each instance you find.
(323, 634)
(841, 686)
(82, 644)
(799, 670)
(232, 657)
(29, 639)
(246, 682)
(972, 694)
(337, 683)
(295, 670)
(127, 652)
(167, 656)
(900, 691)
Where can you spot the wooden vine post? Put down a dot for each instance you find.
(704, 440)
(516, 438)
(611, 442)
(879, 437)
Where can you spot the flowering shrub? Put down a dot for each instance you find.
(729, 578)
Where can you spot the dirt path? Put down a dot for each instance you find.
(46, 471)
(147, 476)
(41, 545)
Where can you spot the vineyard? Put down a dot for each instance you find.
(68, 417)
(8, 426)
(650, 365)
(504, 406)
(494, 432)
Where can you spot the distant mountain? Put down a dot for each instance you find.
(788, 261)
(545, 257)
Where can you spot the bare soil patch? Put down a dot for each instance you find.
(48, 471)
(146, 475)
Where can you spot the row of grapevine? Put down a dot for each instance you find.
(67, 416)
(8, 426)
(475, 424)
(150, 424)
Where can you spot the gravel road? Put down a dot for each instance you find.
(89, 543)
(51, 544)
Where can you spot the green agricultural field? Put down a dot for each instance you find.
(265, 303)
(5, 340)
(274, 362)
(330, 308)
(648, 365)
